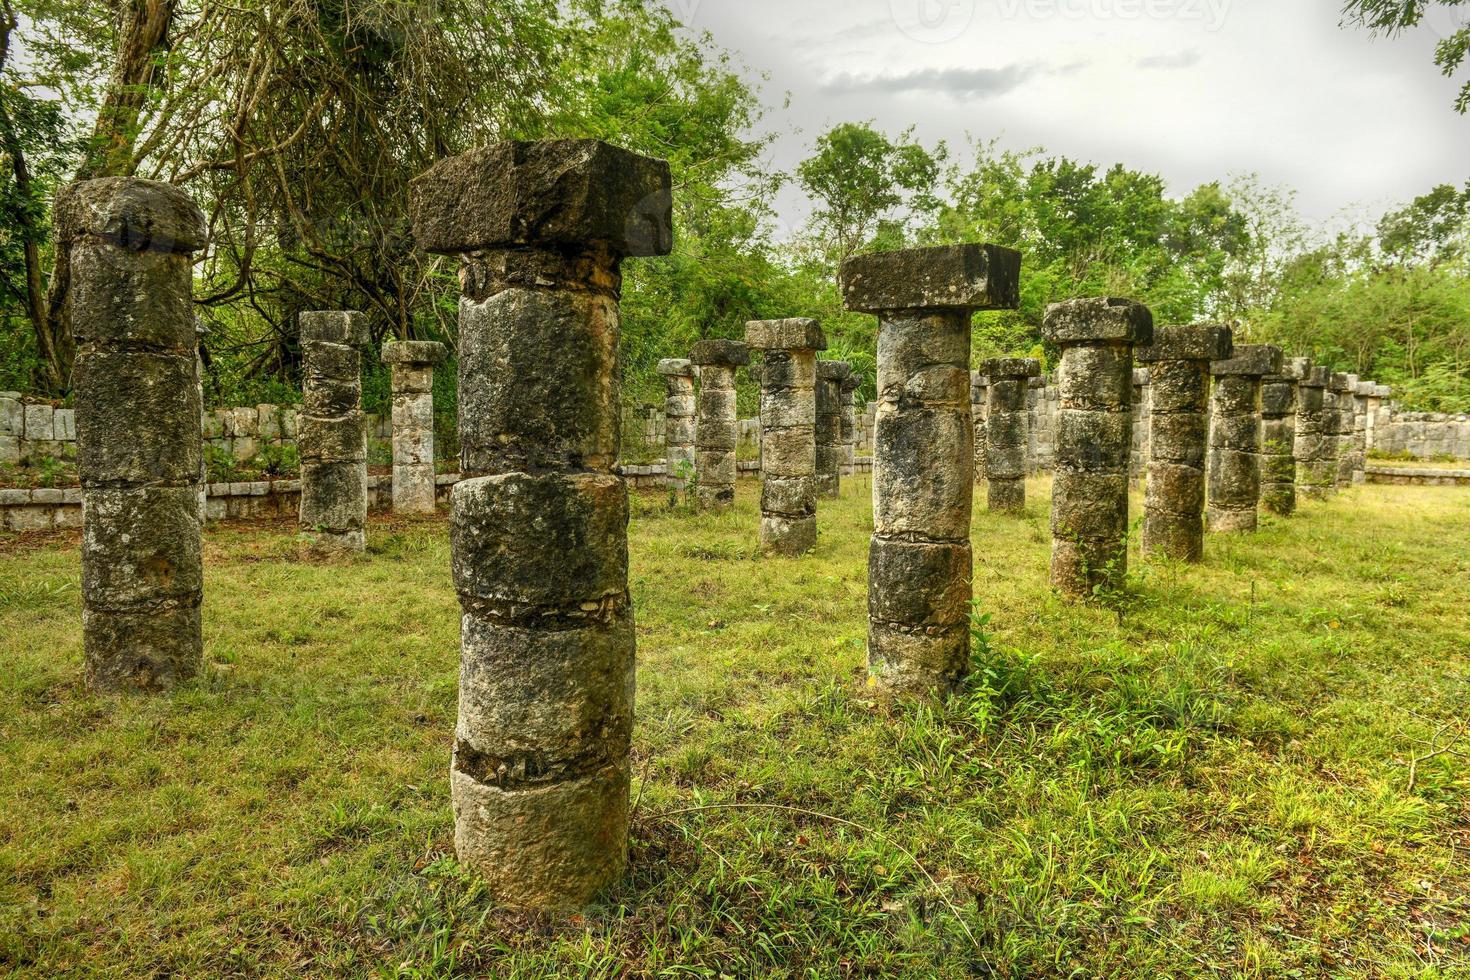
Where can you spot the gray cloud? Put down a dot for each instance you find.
(965, 84)
(1171, 62)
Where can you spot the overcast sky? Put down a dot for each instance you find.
(1190, 89)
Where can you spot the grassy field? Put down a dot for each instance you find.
(1251, 768)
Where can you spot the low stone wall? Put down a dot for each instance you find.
(1409, 476)
(1422, 434)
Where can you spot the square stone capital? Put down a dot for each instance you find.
(1140, 377)
(559, 193)
(720, 353)
(335, 327)
(1297, 368)
(979, 379)
(1339, 382)
(1249, 360)
(796, 333)
(1098, 319)
(1191, 342)
(1382, 391)
(427, 353)
(1317, 376)
(1011, 367)
(852, 382)
(833, 370)
(132, 213)
(1364, 389)
(676, 367)
(947, 277)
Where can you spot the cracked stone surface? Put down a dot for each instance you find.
(788, 432)
(540, 774)
(919, 560)
(333, 437)
(127, 244)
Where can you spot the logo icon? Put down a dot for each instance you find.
(933, 21)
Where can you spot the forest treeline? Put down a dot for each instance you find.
(297, 125)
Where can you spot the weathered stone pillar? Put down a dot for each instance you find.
(1278, 437)
(412, 364)
(831, 375)
(1089, 505)
(333, 438)
(919, 562)
(850, 385)
(1361, 392)
(1179, 399)
(1316, 465)
(1339, 389)
(1006, 436)
(128, 244)
(717, 431)
(788, 431)
(679, 421)
(979, 397)
(540, 775)
(1138, 455)
(1376, 399)
(1235, 436)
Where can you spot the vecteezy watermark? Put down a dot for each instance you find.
(933, 21)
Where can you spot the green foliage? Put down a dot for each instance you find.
(1393, 17)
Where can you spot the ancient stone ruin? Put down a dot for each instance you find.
(715, 435)
(831, 377)
(412, 363)
(1179, 381)
(1278, 437)
(679, 420)
(1089, 507)
(979, 397)
(1235, 436)
(538, 529)
(788, 432)
(333, 440)
(127, 244)
(1006, 431)
(919, 561)
(1340, 417)
(849, 434)
(1316, 464)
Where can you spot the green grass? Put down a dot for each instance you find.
(1212, 778)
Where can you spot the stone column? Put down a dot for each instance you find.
(1235, 436)
(979, 396)
(128, 245)
(412, 364)
(1376, 400)
(1278, 437)
(1316, 466)
(333, 438)
(1006, 435)
(1339, 389)
(716, 433)
(1138, 455)
(679, 421)
(539, 527)
(850, 385)
(788, 432)
(1094, 438)
(1179, 398)
(831, 375)
(1362, 390)
(919, 561)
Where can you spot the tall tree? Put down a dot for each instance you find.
(1391, 18)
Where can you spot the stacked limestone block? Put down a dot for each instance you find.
(1138, 457)
(680, 420)
(1340, 408)
(412, 364)
(850, 385)
(1377, 401)
(540, 776)
(128, 244)
(831, 376)
(1362, 391)
(1094, 439)
(1006, 431)
(717, 432)
(1278, 437)
(979, 396)
(333, 440)
(919, 561)
(1316, 462)
(1179, 399)
(1235, 436)
(788, 432)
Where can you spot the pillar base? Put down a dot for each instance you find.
(1232, 521)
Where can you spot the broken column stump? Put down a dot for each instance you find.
(539, 527)
(717, 431)
(1094, 439)
(412, 363)
(788, 432)
(128, 244)
(1006, 436)
(679, 421)
(1179, 399)
(919, 561)
(831, 376)
(1235, 436)
(1278, 437)
(333, 439)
